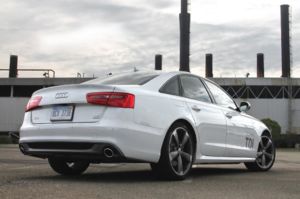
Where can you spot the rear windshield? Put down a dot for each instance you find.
(136, 78)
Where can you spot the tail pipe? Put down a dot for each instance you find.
(108, 152)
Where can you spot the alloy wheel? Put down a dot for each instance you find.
(265, 153)
(180, 151)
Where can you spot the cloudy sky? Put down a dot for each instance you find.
(102, 36)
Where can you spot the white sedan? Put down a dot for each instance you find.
(170, 120)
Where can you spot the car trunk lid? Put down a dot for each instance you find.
(68, 103)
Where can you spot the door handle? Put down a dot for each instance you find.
(228, 115)
(196, 108)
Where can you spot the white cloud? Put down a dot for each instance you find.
(96, 37)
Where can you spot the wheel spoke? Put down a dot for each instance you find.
(180, 166)
(269, 155)
(263, 160)
(259, 154)
(70, 164)
(185, 139)
(175, 135)
(261, 144)
(268, 144)
(186, 156)
(173, 155)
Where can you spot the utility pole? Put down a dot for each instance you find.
(184, 22)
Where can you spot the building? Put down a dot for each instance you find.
(15, 93)
(274, 98)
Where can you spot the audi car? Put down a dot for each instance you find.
(171, 120)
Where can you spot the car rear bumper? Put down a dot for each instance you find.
(93, 152)
(130, 140)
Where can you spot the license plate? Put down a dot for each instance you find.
(62, 113)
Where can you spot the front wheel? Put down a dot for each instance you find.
(265, 155)
(177, 153)
(68, 168)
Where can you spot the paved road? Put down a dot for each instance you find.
(26, 177)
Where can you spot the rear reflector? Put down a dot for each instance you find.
(114, 99)
(33, 103)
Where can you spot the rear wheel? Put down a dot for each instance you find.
(68, 168)
(265, 155)
(177, 153)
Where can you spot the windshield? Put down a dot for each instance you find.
(136, 78)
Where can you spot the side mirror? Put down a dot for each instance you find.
(245, 106)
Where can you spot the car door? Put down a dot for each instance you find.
(209, 119)
(240, 130)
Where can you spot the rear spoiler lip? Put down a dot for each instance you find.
(53, 88)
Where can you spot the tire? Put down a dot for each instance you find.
(68, 168)
(177, 153)
(266, 153)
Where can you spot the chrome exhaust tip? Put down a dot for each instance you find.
(108, 152)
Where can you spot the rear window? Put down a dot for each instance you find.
(136, 78)
(171, 87)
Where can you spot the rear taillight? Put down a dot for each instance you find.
(114, 99)
(33, 103)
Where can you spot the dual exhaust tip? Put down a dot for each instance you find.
(108, 152)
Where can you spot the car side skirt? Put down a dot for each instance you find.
(212, 160)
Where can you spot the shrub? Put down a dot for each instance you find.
(274, 127)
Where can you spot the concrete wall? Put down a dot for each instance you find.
(12, 109)
(275, 109)
(12, 113)
(295, 116)
(41, 81)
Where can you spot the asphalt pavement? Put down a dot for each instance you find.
(26, 177)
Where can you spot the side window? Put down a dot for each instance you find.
(171, 87)
(193, 88)
(220, 96)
